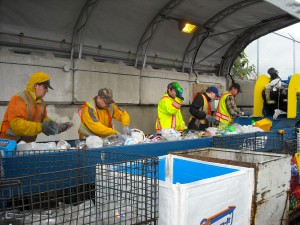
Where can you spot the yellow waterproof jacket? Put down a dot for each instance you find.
(98, 122)
(222, 113)
(169, 114)
(24, 114)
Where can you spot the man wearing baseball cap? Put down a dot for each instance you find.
(26, 113)
(227, 108)
(96, 116)
(200, 109)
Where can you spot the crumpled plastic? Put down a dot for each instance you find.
(170, 134)
(94, 142)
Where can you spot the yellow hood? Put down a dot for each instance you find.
(38, 77)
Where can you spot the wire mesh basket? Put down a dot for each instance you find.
(78, 187)
(279, 141)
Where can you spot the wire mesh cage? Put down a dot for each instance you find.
(279, 141)
(78, 187)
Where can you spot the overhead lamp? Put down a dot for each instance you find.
(186, 27)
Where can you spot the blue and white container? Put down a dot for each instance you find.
(193, 192)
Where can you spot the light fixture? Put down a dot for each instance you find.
(186, 27)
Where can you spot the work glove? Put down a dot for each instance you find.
(61, 127)
(247, 114)
(120, 137)
(209, 118)
(49, 127)
(178, 90)
(126, 130)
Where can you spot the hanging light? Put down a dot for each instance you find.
(186, 27)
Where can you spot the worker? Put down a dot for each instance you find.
(26, 113)
(96, 116)
(274, 95)
(200, 109)
(227, 108)
(168, 109)
(274, 84)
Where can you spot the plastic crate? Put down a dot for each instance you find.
(8, 147)
(79, 187)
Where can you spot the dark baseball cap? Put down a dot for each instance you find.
(46, 84)
(107, 95)
(214, 90)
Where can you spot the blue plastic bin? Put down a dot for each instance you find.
(8, 147)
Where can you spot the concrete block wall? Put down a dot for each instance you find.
(136, 90)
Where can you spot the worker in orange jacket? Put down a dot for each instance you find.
(26, 114)
(96, 116)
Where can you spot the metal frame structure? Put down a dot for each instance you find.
(81, 24)
(141, 53)
(198, 39)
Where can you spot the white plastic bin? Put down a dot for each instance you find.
(193, 192)
(270, 205)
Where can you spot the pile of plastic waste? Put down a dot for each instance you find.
(138, 137)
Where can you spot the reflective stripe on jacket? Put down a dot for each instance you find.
(206, 108)
(23, 118)
(169, 114)
(98, 122)
(222, 113)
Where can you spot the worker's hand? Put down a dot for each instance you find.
(209, 118)
(246, 114)
(126, 130)
(61, 127)
(120, 137)
(49, 127)
(179, 91)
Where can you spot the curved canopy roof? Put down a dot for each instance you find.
(143, 32)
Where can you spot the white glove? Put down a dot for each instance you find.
(277, 112)
(126, 130)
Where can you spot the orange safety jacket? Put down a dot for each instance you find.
(23, 118)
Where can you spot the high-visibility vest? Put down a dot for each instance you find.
(28, 101)
(222, 113)
(167, 121)
(206, 108)
(83, 131)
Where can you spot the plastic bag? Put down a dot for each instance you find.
(170, 134)
(94, 142)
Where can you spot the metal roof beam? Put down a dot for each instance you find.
(81, 24)
(194, 45)
(145, 41)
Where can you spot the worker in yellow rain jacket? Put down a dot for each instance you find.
(26, 114)
(227, 108)
(168, 109)
(96, 116)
